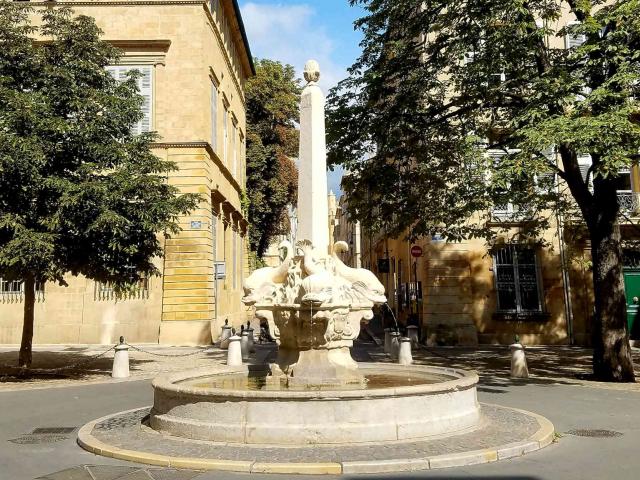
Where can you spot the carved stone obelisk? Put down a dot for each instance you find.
(313, 302)
(313, 211)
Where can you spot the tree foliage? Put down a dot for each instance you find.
(79, 192)
(272, 141)
(440, 83)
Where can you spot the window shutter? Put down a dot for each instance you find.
(584, 163)
(573, 40)
(146, 90)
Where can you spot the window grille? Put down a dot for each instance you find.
(12, 291)
(517, 280)
(107, 291)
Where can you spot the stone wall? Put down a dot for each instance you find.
(190, 49)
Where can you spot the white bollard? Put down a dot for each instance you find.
(395, 344)
(387, 341)
(404, 355)
(518, 361)
(244, 344)
(121, 361)
(412, 333)
(234, 353)
(225, 335)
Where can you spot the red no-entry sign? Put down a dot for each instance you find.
(416, 251)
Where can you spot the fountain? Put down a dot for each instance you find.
(314, 396)
(314, 305)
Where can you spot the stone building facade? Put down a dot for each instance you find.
(465, 293)
(195, 59)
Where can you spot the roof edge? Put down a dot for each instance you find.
(243, 32)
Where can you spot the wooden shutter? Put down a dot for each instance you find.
(584, 163)
(573, 40)
(145, 88)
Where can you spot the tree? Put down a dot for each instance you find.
(440, 83)
(79, 192)
(272, 141)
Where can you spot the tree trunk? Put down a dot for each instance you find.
(24, 359)
(612, 360)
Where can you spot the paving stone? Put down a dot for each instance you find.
(172, 474)
(139, 475)
(75, 473)
(110, 472)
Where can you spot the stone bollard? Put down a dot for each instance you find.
(244, 343)
(412, 333)
(395, 344)
(234, 354)
(225, 334)
(121, 361)
(518, 361)
(387, 341)
(252, 346)
(404, 353)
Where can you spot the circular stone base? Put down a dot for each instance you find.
(503, 433)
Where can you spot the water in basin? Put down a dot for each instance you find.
(255, 381)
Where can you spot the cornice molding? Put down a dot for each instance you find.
(94, 3)
(227, 57)
(161, 45)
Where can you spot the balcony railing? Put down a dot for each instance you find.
(629, 203)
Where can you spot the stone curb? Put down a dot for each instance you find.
(542, 438)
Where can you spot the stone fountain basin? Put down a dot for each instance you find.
(294, 417)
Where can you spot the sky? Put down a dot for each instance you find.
(293, 31)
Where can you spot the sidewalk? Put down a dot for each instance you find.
(547, 365)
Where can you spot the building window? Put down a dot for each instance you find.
(242, 161)
(235, 150)
(225, 135)
(517, 280)
(234, 257)
(502, 212)
(214, 236)
(13, 291)
(145, 88)
(214, 116)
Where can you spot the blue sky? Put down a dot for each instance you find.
(293, 31)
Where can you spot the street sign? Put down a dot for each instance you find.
(416, 251)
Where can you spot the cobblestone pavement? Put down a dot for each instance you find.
(547, 365)
(500, 426)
